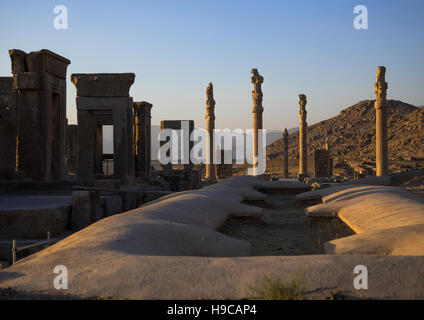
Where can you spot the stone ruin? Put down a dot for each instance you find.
(323, 162)
(142, 139)
(33, 116)
(188, 177)
(224, 170)
(303, 139)
(103, 99)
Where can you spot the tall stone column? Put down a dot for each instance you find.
(257, 111)
(380, 106)
(143, 138)
(303, 139)
(98, 149)
(286, 152)
(210, 126)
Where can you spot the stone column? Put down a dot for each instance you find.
(257, 111)
(98, 149)
(286, 152)
(303, 139)
(210, 126)
(142, 138)
(380, 106)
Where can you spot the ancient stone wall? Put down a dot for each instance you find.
(8, 125)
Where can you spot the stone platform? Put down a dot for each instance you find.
(171, 249)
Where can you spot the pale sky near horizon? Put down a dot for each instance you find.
(176, 48)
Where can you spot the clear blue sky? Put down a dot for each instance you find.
(176, 47)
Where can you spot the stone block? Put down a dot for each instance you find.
(33, 223)
(47, 61)
(86, 209)
(103, 84)
(6, 84)
(27, 81)
(4, 265)
(111, 205)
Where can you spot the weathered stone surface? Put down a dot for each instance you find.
(380, 106)
(119, 110)
(18, 59)
(27, 81)
(257, 110)
(286, 153)
(33, 222)
(179, 125)
(322, 163)
(303, 139)
(86, 209)
(103, 84)
(111, 205)
(8, 126)
(47, 61)
(6, 85)
(210, 127)
(72, 148)
(39, 82)
(387, 220)
(142, 139)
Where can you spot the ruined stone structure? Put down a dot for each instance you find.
(286, 153)
(322, 163)
(210, 126)
(224, 170)
(257, 111)
(381, 122)
(72, 149)
(103, 99)
(186, 146)
(8, 125)
(142, 139)
(303, 139)
(39, 87)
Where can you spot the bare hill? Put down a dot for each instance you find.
(352, 133)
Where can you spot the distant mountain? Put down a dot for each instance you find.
(352, 133)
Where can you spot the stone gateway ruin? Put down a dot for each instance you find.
(33, 116)
(103, 99)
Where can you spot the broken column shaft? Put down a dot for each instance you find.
(210, 126)
(380, 106)
(142, 138)
(257, 111)
(303, 139)
(286, 152)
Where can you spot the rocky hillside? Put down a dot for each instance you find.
(352, 133)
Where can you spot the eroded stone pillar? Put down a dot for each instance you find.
(303, 139)
(381, 122)
(257, 111)
(142, 138)
(286, 152)
(39, 82)
(210, 126)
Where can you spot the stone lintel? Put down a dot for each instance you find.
(103, 84)
(175, 124)
(102, 103)
(39, 61)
